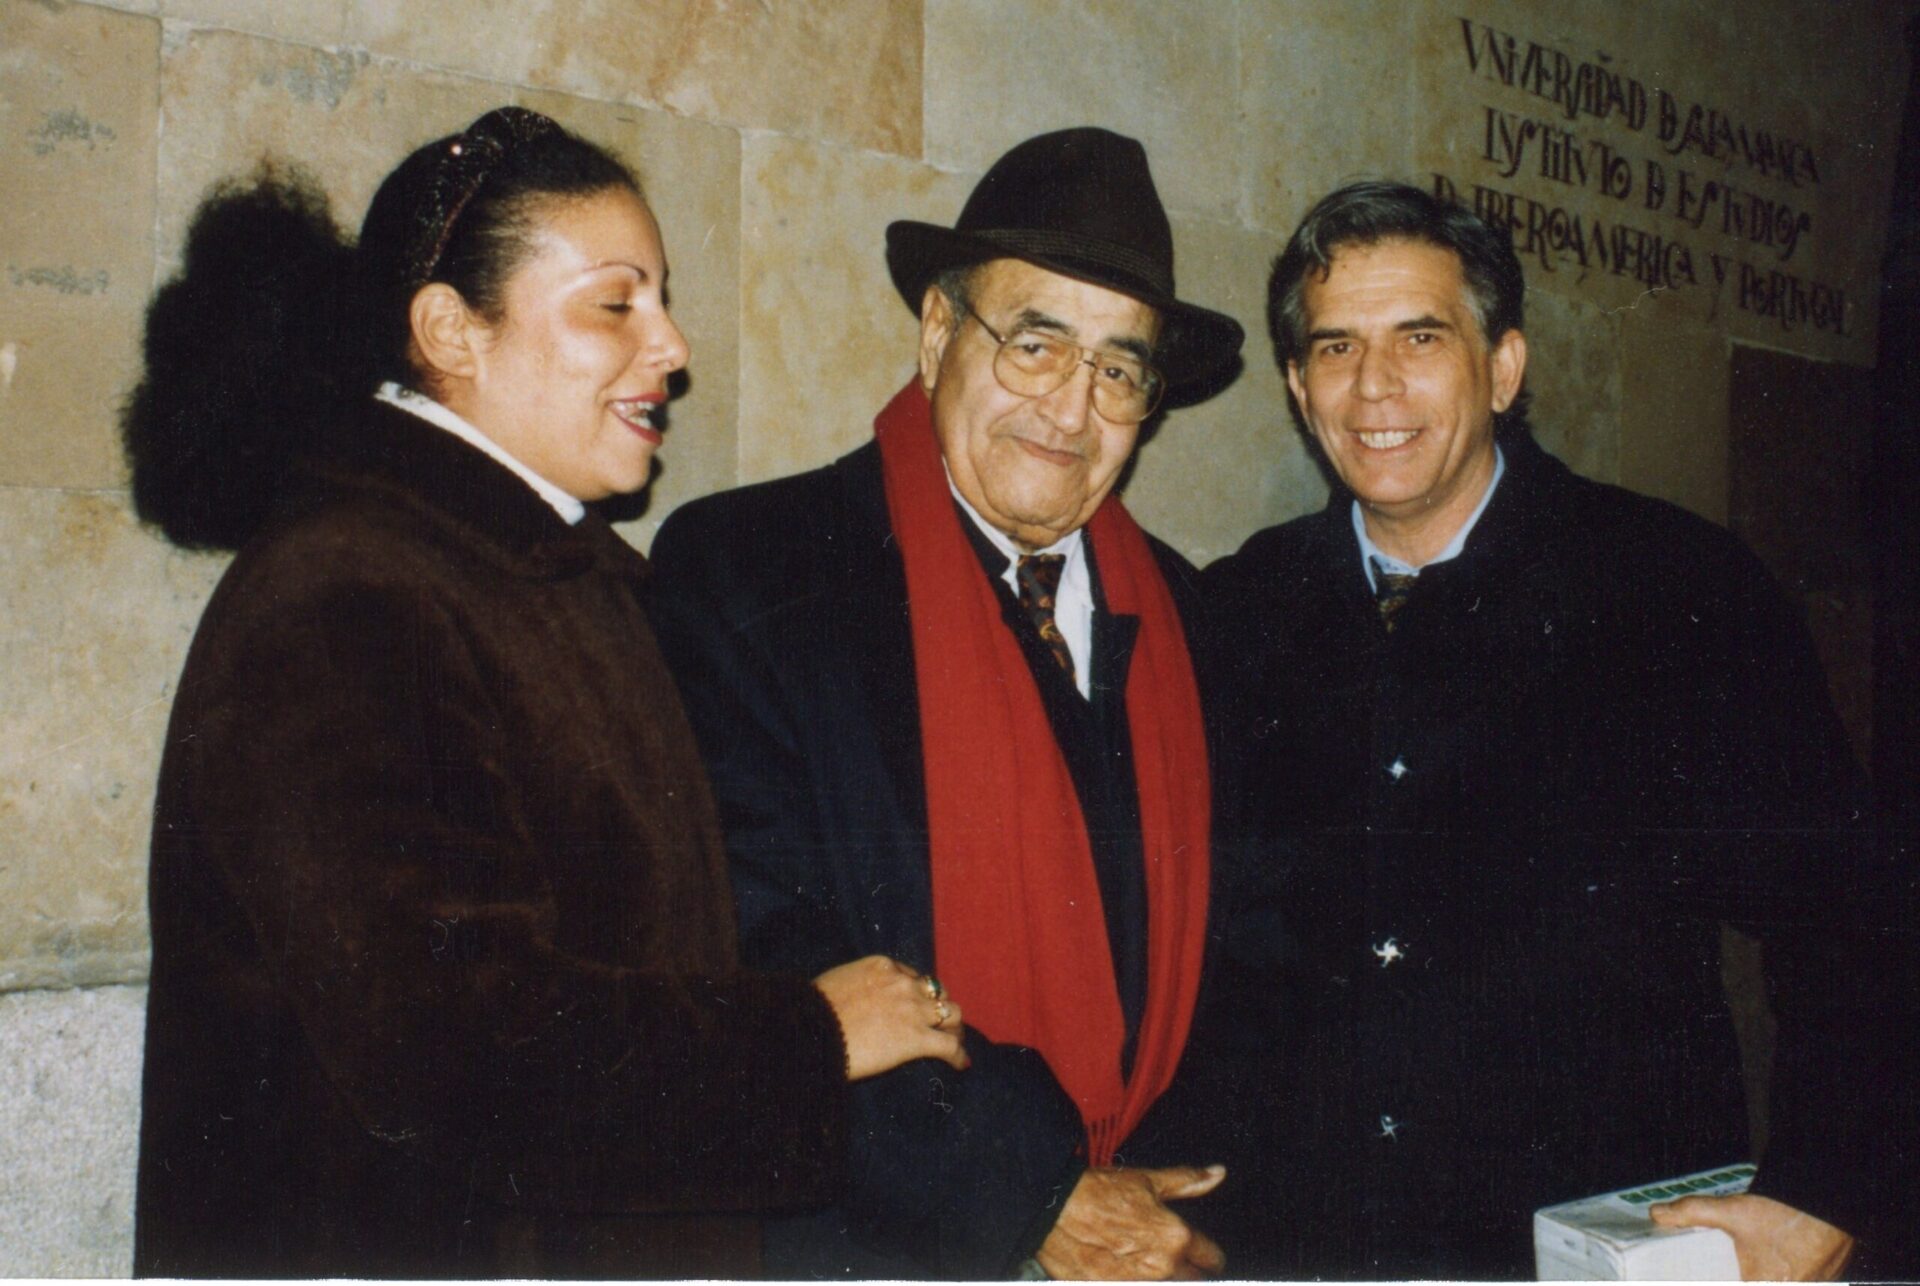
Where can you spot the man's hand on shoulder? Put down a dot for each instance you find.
(1775, 1242)
(1116, 1227)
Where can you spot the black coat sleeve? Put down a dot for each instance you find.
(954, 1174)
(1801, 872)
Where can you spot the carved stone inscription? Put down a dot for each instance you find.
(1691, 195)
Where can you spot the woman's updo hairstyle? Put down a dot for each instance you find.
(461, 210)
(265, 347)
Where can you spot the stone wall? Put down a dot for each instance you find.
(777, 139)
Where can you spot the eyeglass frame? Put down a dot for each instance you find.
(1085, 356)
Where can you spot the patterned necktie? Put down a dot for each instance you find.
(1039, 579)
(1390, 591)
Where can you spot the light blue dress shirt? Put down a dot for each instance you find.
(1370, 552)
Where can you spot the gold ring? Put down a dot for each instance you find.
(935, 992)
(944, 1011)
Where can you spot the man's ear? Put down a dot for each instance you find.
(938, 322)
(1509, 360)
(1294, 385)
(445, 332)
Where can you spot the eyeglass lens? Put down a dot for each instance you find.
(1032, 364)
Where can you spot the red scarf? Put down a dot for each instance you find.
(1019, 935)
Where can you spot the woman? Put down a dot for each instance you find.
(444, 977)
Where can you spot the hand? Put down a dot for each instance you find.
(890, 1015)
(1775, 1242)
(1116, 1227)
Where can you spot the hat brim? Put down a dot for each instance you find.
(1199, 349)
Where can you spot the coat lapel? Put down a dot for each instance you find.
(873, 626)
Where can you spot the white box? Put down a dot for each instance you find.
(1611, 1238)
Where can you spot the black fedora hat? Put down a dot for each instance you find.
(1079, 202)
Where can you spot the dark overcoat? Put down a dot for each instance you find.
(1523, 816)
(782, 609)
(444, 976)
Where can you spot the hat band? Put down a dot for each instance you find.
(1041, 243)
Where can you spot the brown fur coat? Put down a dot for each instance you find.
(444, 973)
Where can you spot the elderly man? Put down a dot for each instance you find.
(1537, 738)
(944, 691)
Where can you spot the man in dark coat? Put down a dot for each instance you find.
(943, 689)
(1537, 738)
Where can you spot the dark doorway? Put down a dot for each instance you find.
(1800, 451)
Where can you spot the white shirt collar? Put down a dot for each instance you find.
(568, 507)
(1068, 544)
(1371, 553)
(1072, 602)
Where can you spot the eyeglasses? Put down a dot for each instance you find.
(1033, 364)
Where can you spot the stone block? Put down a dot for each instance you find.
(1328, 96)
(69, 1130)
(825, 338)
(313, 22)
(842, 71)
(99, 614)
(230, 100)
(1673, 410)
(600, 48)
(999, 71)
(78, 91)
(1213, 474)
(691, 173)
(128, 6)
(1573, 372)
(846, 71)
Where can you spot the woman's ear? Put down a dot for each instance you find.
(445, 332)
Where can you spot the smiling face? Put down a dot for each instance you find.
(1399, 386)
(1034, 467)
(568, 378)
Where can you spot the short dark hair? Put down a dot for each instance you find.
(957, 285)
(1375, 210)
